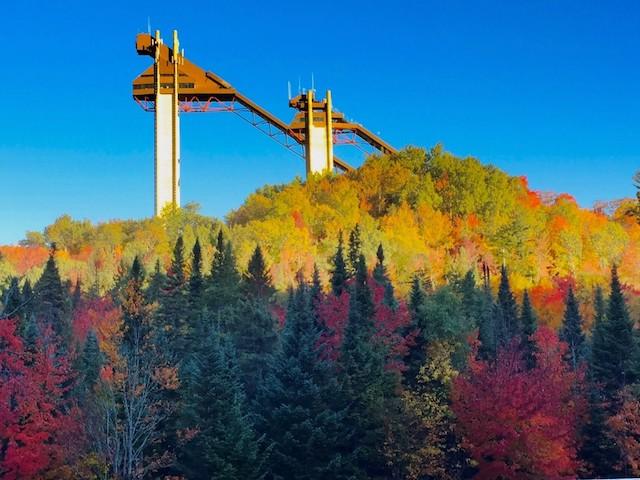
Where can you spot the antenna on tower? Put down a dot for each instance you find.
(149, 25)
(313, 83)
(299, 86)
(289, 89)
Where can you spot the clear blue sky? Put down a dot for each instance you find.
(548, 89)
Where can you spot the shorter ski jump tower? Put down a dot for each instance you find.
(174, 85)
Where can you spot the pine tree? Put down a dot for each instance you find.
(222, 444)
(571, 331)
(506, 311)
(252, 328)
(339, 273)
(487, 325)
(355, 249)
(156, 283)
(613, 352)
(90, 362)
(12, 300)
(381, 276)
(299, 408)
(417, 353)
(173, 311)
(52, 300)
(136, 326)
(529, 326)
(369, 388)
(257, 280)
(76, 298)
(223, 285)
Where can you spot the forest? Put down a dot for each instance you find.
(423, 317)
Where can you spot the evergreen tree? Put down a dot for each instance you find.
(506, 311)
(529, 326)
(135, 319)
(27, 299)
(316, 288)
(257, 280)
(299, 406)
(416, 295)
(417, 352)
(613, 351)
(156, 284)
(76, 298)
(339, 273)
(223, 289)
(369, 388)
(571, 330)
(487, 325)
(12, 300)
(381, 276)
(355, 249)
(252, 328)
(173, 311)
(52, 300)
(90, 362)
(223, 445)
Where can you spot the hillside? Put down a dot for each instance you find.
(433, 212)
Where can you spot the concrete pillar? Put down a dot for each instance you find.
(319, 136)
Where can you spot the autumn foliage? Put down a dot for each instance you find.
(519, 423)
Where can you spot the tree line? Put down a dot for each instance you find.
(181, 374)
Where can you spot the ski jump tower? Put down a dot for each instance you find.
(173, 85)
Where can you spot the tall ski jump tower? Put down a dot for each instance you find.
(173, 84)
(167, 125)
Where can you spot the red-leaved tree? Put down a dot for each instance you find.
(518, 423)
(37, 425)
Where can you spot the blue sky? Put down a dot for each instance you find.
(547, 89)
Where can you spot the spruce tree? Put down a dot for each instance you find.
(12, 300)
(355, 249)
(487, 325)
(136, 326)
(173, 311)
(381, 276)
(52, 304)
(253, 329)
(416, 356)
(299, 408)
(316, 288)
(27, 299)
(369, 388)
(339, 273)
(613, 354)
(506, 311)
(223, 285)
(156, 284)
(76, 298)
(90, 362)
(529, 326)
(195, 294)
(223, 444)
(571, 330)
(257, 281)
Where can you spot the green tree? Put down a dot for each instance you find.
(90, 362)
(613, 349)
(339, 273)
(221, 443)
(571, 330)
(253, 330)
(52, 304)
(506, 311)
(173, 310)
(355, 249)
(529, 324)
(369, 388)
(156, 284)
(299, 405)
(381, 276)
(223, 285)
(257, 279)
